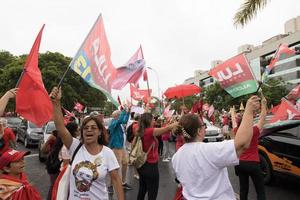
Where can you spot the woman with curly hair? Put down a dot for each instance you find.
(93, 161)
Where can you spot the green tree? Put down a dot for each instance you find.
(5, 58)
(52, 66)
(247, 11)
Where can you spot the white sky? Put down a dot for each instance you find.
(177, 36)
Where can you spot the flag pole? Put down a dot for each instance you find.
(20, 78)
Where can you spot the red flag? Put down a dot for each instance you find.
(282, 49)
(78, 106)
(145, 76)
(131, 72)
(32, 101)
(286, 111)
(138, 94)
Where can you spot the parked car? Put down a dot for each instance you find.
(13, 123)
(279, 150)
(50, 126)
(213, 133)
(29, 133)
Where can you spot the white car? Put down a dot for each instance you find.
(50, 126)
(213, 133)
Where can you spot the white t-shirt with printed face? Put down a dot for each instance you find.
(201, 169)
(88, 174)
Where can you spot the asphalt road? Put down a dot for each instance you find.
(281, 189)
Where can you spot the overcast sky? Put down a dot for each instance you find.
(177, 36)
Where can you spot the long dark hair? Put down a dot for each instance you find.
(144, 122)
(102, 139)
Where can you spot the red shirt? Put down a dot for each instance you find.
(147, 140)
(7, 136)
(251, 154)
(179, 142)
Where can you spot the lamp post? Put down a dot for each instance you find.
(158, 88)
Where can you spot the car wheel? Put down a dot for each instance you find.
(266, 169)
(26, 142)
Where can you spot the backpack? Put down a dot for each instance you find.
(53, 163)
(137, 156)
(129, 132)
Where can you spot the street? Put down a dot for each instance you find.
(282, 188)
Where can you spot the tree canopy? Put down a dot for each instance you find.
(52, 66)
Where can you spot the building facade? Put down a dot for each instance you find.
(287, 68)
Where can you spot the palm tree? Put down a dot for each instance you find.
(247, 11)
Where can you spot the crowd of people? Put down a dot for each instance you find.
(98, 157)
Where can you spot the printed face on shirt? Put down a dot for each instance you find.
(85, 173)
(91, 132)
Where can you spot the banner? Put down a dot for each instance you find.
(131, 72)
(32, 100)
(235, 76)
(138, 94)
(92, 61)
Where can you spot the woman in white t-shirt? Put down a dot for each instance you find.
(93, 161)
(201, 167)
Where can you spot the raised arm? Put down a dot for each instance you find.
(244, 133)
(263, 113)
(5, 98)
(160, 131)
(58, 118)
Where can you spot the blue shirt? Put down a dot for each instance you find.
(116, 139)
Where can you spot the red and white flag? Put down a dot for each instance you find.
(294, 93)
(32, 100)
(286, 111)
(131, 72)
(282, 49)
(79, 107)
(138, 94)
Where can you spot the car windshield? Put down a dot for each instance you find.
(14, 120)
(32, 125)
(50, 127)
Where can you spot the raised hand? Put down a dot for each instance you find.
(12, 93)
(55, 95)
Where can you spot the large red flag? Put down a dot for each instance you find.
(286, 111)
(131, 72)
(32, 101)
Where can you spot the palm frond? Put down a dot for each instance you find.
(247, 11)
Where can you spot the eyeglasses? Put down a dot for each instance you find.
(93, 128)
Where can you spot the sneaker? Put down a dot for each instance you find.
(166, 160)
(169, 158)
(110, 189)
(126, 186)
